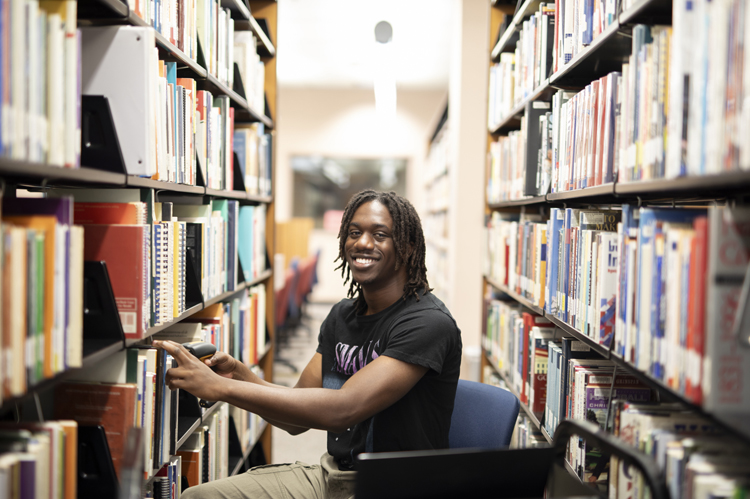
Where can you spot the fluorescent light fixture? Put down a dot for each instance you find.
(384, 82)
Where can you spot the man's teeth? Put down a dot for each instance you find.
(364, 260)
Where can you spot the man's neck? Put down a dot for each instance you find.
(379, 299)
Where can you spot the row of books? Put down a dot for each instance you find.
(643, 105)
(515, 77)
(131, 392)
(578, 384)
(40, 113)
(237, 327)
(42, 292)
(247, 424)
(506, 169)
(439, 154)
(39, 459)
(42, 269)
(696, 458)
(655, 285)
(205, 454)
(40, 78)
(708, 89)
(578, 23)
(251, 68)
(253, 146)
(583, 140)
(176, 20)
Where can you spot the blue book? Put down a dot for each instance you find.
(588, 12)
(630, 222)
(551, 256)
(658, 302)
(571, 216)
(245, 240)
(240, 148)
(171, 68)
(232, 219)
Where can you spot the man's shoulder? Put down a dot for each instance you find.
(345, 306)
(429, 305)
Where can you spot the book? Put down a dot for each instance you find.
(109, 405)
(726, 379)
(126, 249)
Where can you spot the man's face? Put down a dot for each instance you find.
(370, 250)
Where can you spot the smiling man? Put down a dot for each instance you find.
(383, 377)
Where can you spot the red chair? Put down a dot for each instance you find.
(281, 314)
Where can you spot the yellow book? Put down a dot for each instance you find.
(52, 332)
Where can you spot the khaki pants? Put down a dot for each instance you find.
(281, 481)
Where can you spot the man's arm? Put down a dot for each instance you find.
(374, 388)
(228, 367)
(310, 378)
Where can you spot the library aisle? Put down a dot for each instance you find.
(309, 446)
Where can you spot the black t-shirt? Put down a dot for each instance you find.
(418, 332)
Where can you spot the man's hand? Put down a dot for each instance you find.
(225, 366)
(191, 375)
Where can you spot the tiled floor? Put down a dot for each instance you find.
(309, 446)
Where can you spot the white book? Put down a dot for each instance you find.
(33, 104)
(74, 343)
(111, 58)
(16, 126)
(606, 289)
(726, 364)
(56, 90)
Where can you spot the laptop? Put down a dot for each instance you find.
(454, 473)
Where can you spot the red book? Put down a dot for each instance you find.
(529, 321)
(109, 213)
(592, 179)
(127, 250)
(230, 173)
(697, 311)
(109, 405)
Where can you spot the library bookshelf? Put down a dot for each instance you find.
(543, 282)
(104, 340)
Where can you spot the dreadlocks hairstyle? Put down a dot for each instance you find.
(407, 230)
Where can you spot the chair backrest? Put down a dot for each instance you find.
(281, 297)
(483, 416)
(304, 286)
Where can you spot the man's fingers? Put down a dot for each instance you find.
(176, 350)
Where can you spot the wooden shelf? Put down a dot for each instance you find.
(512, 120)
(238, 8)
(159, 185)
(520, 299)
(229, 294)
(736, 182)
(161, 327)
(588, 192)
(519, 202)
(258, 199)
(37, 172)
(605, 54)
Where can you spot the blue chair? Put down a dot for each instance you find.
(483, 416)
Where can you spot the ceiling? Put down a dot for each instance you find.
(331, 43)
